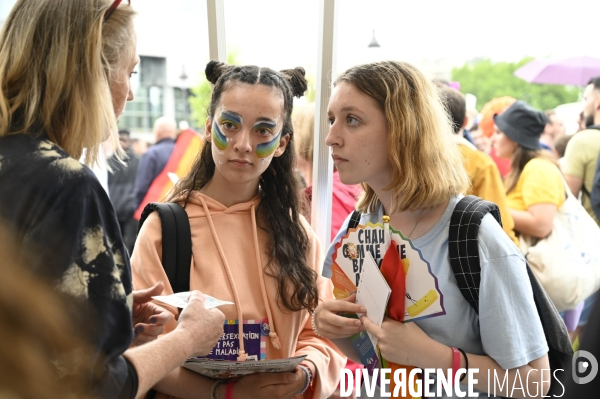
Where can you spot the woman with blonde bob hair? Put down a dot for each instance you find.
(390, 132)
(64, 81)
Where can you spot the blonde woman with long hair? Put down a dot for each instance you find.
(64, 81)
(390, 132)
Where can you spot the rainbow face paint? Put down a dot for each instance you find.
(218, 138)
(225, 117)
(266, 149)
(267, 125)
(230, 117)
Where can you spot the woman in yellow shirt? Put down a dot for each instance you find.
(534, 186)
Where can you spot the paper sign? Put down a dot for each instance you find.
(373, 293)
(180, 300)
(423, 296)
(255, 340)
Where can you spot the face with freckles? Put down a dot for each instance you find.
(245, 133)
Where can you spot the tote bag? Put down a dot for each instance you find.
(567, 262)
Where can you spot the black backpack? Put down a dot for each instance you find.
(176, 242)
(463, 250)
(176, 246)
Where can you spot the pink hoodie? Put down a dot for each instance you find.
(234, 230)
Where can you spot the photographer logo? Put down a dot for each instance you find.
(584, 367)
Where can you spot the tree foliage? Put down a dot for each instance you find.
(487, 80)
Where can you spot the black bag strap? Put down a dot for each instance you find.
(176, 242)
(463, 246)
(594, 195)
(176, 246)
(584, 190)
(354, 220)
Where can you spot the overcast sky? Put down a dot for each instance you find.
(284, 33)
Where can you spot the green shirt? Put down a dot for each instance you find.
(580, 160)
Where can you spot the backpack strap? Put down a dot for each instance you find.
(354, 220)
(594, 194)
(463, 250)
(463, 245)
(176, 242)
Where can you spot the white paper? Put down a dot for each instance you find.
(180, 300)
(373, 293)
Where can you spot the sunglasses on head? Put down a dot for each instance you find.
(113, 7)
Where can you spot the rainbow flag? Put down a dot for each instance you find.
(187, 147)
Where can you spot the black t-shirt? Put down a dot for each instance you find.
(65, 230)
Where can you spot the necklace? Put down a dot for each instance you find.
(417, 222)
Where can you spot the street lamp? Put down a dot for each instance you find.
(184, 92)
(373, 51)
(374, 42)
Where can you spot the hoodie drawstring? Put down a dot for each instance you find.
(242, 355)
(272, 333)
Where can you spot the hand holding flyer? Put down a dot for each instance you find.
(375, 252)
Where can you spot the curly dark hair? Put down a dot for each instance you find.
(278, 211)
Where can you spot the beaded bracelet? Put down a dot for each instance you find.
(314, 325)
(308, 379)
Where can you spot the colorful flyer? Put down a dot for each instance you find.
(415, 293)
(255, 341)
(423, 296)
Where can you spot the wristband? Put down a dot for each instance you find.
(214, 387)
(229, 389)
(455, 363)
(314, 325)
(308, 379)
(466, 364)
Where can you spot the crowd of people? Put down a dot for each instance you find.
(77, 317)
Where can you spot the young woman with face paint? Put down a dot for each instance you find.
(250, 244)
(390, 132)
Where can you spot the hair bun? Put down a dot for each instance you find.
(214, 70)
(296, 79)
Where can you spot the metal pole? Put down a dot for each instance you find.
(216, 30)
(323, 164)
